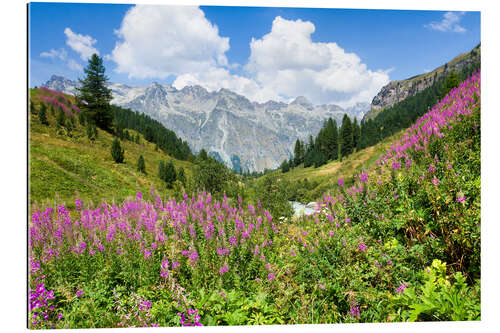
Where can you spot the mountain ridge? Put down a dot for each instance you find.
(398, 90)
(258, 135)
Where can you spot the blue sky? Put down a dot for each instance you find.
(328, 55)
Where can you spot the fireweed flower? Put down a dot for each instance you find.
(401, 288)
(79, 293)
(363, 177)
(78, 203)
(341, 182)
(435, 181)
(164, 268)
(271, 276)
(147, 254)
(354, 311)
(460, 197)
(223, 269)
(362, 247)
(193, 258)
(145, 306)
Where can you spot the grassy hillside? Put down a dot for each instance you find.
(67, 164)
(323, 179)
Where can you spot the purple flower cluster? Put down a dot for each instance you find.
(192, 318)
(38, 303)
(401, 288)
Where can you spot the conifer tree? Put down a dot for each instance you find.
(95, 94)
(299, 152)
(332, 139)
(42, 114)
(141, 166)
(170, 174)
(285, 167)
(356, 133)
(181, 176)
(161, 170)
(346, 146)
(117, 152)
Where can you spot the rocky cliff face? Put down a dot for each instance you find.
(244, 134)
(397, 91)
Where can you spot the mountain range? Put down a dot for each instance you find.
(243, 134)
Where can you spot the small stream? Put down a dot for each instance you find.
(300, 209)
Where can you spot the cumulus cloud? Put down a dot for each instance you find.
(53, 54)
(289, 63)
(158, 41)
(82, 44)
(450, 22)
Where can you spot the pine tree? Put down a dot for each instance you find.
(299, 152)
(452, 81)
(356, 134)
(332, 139)
(42, 114)
(285, 167)
(203, 154)
(95, 94)
(170, 174)
(117, 152)
(346, 146)
(161, 170)
(181, 176)
(141, 166)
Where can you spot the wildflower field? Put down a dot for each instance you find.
(402, 244)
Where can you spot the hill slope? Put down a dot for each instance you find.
(63, 163)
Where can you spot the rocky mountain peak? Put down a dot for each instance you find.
(303, 101)
(245, 135)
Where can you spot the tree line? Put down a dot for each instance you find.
(333, 143)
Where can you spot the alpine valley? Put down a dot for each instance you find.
(244, 135)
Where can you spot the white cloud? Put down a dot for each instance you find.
(450, 22)
(215, 78)
(62, 54)
(158, 41)
(72, 64)
(53, 54)
(289, 63)
(82, 44)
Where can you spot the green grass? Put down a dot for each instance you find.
(62, 166)
(327, 175)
